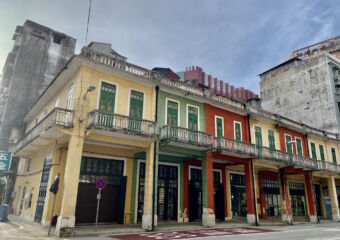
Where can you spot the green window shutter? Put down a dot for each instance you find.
(312, 146)
(289, 148)
(271, 139)
(334, 156)
(193, 123)
(219, 127)
(136, 104)
(192, 118)
(322, 154)
(107, 97)
(237, 130)
(258, 141)
(172, 111)
(299, 146)
(258, 136)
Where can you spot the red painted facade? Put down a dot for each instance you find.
(228, 122)
(282, 134)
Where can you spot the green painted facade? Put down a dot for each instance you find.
(183, 114)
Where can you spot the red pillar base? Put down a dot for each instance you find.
(310, 196)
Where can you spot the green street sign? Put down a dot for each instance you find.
(5, 161)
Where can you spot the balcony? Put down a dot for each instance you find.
(327, 166)
(46, 128)
(122, 125)
(184, 137)
(235, 148)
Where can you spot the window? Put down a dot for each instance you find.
(289, 148)
(258, 136)
(69, 96)
(172, 113)
(192, 118)
(56, 103)
(271, 139)
(28, 164)
(334, 155)
(107, 98)
(237, 131)
(136, 104)
(312, 146)
(57, 39)
(218, 126)
(299, 146)
(322, 154)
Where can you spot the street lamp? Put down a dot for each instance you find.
(90, 88)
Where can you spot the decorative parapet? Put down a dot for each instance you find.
(187, 136)
(57, 117)
(120, 123)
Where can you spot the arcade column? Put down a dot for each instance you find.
(250, 194)
(310, 196)
(286, 210)
(66, 219)
(208, 216)
(148, 189)
(334, 198)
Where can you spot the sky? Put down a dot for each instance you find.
(231, 40)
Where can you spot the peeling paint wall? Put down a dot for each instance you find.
(303, 93)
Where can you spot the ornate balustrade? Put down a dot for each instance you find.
(116, 122)
(57, 117)
(185, 135)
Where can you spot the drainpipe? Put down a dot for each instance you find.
(154, 167)
(252, 174)
(315, 202)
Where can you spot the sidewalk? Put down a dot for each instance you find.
(20, 228)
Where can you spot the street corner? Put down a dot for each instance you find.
(204, 233)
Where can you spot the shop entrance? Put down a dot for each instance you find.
(272, 193)
(113, 196)
(318, 199)
(195, 195)
(297, 195)
(238, 195)
(167, 192)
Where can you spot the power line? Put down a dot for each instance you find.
(88, 22)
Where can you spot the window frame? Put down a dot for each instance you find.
(237, 122)
(178, 111)
(219, 117)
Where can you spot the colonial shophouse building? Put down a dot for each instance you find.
(185, 149)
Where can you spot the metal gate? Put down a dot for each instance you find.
(42, 190)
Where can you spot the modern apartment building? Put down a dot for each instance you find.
(169, 149)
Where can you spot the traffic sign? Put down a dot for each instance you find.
(100, 183)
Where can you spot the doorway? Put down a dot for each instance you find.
(238, 195)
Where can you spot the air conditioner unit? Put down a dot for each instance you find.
(12, 141)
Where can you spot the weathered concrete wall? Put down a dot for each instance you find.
(303, 93)
(38, 54)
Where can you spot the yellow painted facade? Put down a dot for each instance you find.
(265, 126)
(67, 151)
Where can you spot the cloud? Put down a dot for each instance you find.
(232, 40)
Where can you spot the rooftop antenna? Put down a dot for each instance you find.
(88, 22)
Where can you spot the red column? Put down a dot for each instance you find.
(249, 192)
(262, 199)
(287, 195)
(185, 191)
(310, 197)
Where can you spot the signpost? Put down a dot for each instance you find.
(100, 185)
(5, 166)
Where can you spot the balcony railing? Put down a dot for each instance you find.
(327, 166)
(57, 117)
(185, 135)
(232, 145)
(120, 123)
